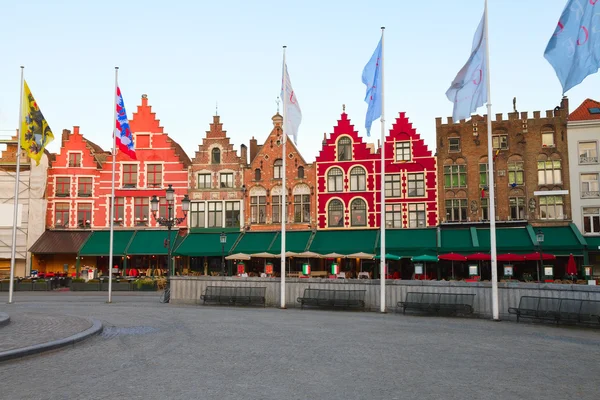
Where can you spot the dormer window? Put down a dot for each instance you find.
(345, 149)
(216, 156)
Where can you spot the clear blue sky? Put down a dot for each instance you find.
(189, 55)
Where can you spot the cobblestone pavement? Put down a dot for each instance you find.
(154, 351)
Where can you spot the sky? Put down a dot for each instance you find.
(188, 56)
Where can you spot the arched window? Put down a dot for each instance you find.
(358, 212)
(358, 179)
(277, 166)
(216, 156)
(300, 172)
(335, 180)
(301, 195)
(344, 149)
(335, 213)
(257, 176)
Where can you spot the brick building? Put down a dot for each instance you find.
(531, 168)
(217, 181)
(263, 184)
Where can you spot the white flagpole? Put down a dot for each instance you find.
(492, 201)
(283, 194)
(112, 189)
(382, 247)
(13, 249)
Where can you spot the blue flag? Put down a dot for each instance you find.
(371, 77)
(573, 48)
(468, 90)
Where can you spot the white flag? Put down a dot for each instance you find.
(293, 115)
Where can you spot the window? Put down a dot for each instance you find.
(393, 216)
(416, 185)
(163, 208)
(258, 206)
(197, 213)
(392, 185)
(551, 207)
(335, 213)
(204, 181)
(61, 214)
(140, 210)
(154, 175)
(276, 211)
(416, 215)
(358, 179)
(483, 175)
(358, 212)
(455, 176)
(485, 210)
(74, 159)
(335, 178)
(548, 139)
(226, 180)
(588, 152)
(63, 186)
(130, 175)
(84, 187)
(232, 214)
(119, 209)
(549, 172)
(344, 149)
(456, 210)
(277, 166)
(517, 208)
(454, 144)
(215, 156)
(403, 151)
(591, 220)
(84, 214)
(589, 185)
(257, 176)
(515, 173)
(302, 208)
(500, 142)
(215, 214)
(300, 172)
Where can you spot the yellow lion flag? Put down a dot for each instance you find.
(35, 132)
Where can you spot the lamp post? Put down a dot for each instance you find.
(170, 220)
(540, 239)
(223, 239)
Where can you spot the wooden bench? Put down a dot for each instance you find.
(332, 298)
(556, 309)
(234, 295)
(438, 302)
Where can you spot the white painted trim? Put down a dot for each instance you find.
(550, 192)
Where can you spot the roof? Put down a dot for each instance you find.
(582, 113)
(183, 157)
(60, 242)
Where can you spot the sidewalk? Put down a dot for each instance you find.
(28, 333)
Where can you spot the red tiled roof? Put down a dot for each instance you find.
(582, 113)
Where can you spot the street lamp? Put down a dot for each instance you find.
(223, 239)
(540, 239)
(170, 220)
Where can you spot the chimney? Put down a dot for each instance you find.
(244, 154)
(75, 130)
(253, 148)
(564, 104)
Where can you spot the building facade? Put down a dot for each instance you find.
(263, 179)
(217, 182)
(531, 164)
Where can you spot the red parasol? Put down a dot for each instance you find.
(510, 257)
(479, 257)
(536, 256)
(571, 266)
(452, 257)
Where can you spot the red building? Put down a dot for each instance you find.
(348, 179)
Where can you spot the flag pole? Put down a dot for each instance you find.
(13, 249)
(112, 189)
(492, 212)
(382, 247)
(283, 183)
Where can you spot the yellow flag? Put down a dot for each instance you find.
(35, 132)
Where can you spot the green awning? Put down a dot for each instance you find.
(151, 242)
(98, 243)
(205, 244)
(424, 258)
(457, 240)
(409, 242)
(560, 240)
(593, 243)
(388, 257)
(508, 240)
(344, 242)
(295, 241)
(256, 242)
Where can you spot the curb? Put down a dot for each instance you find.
(56, 344)
(4, 319)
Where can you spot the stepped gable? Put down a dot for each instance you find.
(217, 136)
(75, 141)
(361, 149)
(403, 130)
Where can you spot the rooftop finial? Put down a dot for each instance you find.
(144, 96)
(343, 107)
(216, 108)
(278, 101)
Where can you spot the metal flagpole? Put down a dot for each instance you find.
(13, 249)
(283, 194)
(492, 210)
(112, 189)
(382, 247)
